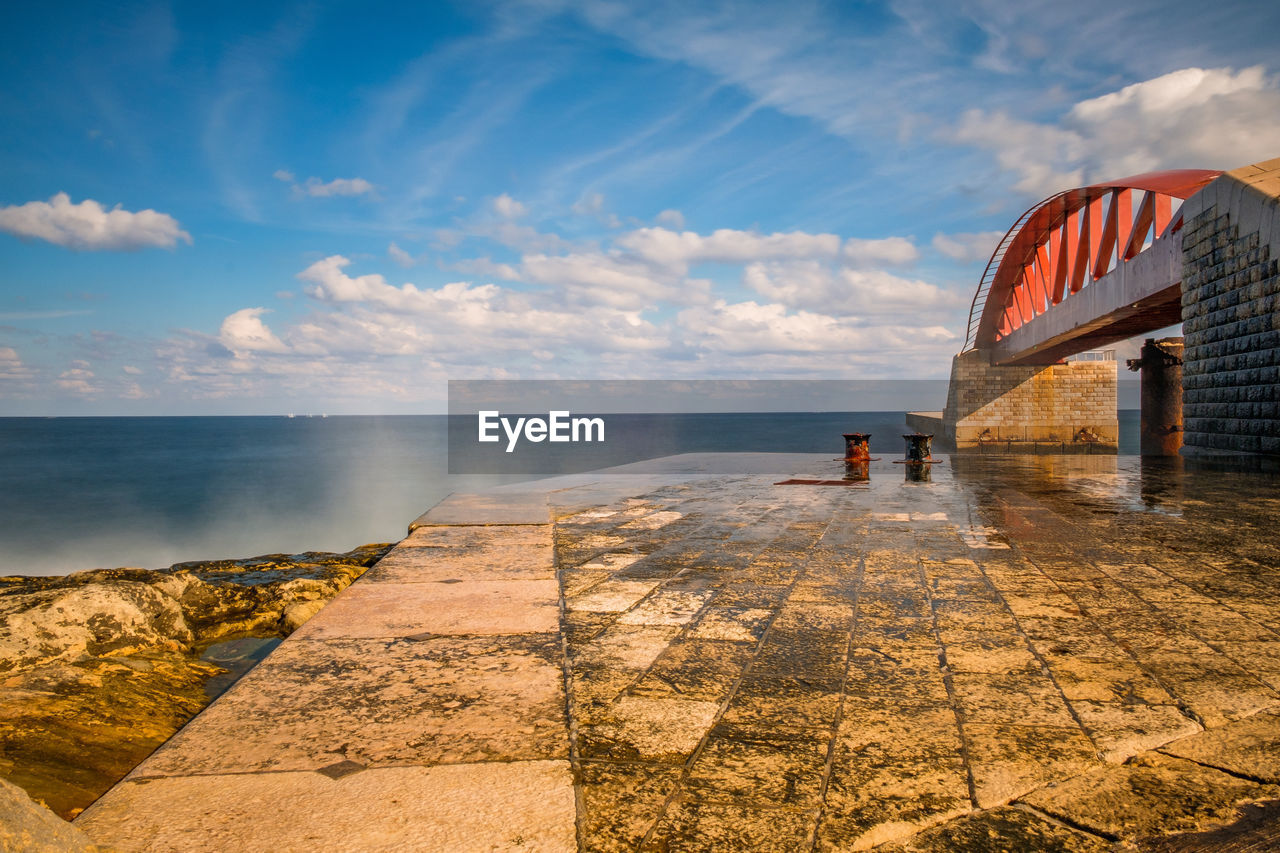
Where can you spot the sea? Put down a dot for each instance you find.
(84, 493)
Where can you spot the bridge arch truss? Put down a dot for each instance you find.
(1062, 245)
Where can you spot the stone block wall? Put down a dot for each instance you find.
(1231, 314)
(1047, 408)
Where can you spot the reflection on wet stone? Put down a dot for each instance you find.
(764, 764)
(622, 801)
(789, 667)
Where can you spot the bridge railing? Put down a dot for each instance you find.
(988, 276)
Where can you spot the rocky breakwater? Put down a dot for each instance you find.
(98, 668)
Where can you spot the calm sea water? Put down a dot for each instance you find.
(81, 493)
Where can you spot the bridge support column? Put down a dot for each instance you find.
(1161, 371)
(1043, 408)
(1231, 313)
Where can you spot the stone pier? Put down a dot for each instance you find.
(1047, 653)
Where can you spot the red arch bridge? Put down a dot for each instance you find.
(1098, 264)
(1085, 268)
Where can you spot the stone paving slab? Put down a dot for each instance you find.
(439, 554)
(1154, 794)
(486, 510)
(458, 606)
(1248, 748)
(378, 702)
(1002, 830)
(1041, 653)
(469, 808)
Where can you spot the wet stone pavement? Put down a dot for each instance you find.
(1019, 653)
(991, 660)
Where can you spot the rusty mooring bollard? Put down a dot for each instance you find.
(857, 472)
(918, 447)
(857, 447)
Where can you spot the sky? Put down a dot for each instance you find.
(330, 207)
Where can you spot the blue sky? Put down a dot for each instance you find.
(263, 208)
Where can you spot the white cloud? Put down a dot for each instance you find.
(508, 208)
(400, 256)
(244, 332)
(1172, 93)
(1215, 118)
(815, 286)
(592, 204)
(11, 367)
(676, 251)
(132, 370)
(88, 225)
(967, 247)
(331, 284)
(1039, 155)
(487, 268)
(368, 337)
(887, 251)
(513, 235)
(613, 280)
(625, 309)
(78, 379)
(317, 188)
(648, 268)
(674, 218)
(523, 237)
(337, 187)
(752, 328)
(488, 318)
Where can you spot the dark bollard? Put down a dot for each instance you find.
(857, 447)
(857, 472)
(918, 448)
(918, 473)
